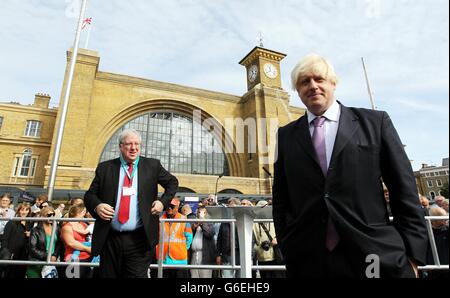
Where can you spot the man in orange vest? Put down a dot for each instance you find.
(177, 241)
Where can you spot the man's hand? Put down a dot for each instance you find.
(105, 211)
(414, 266)
(157, 207)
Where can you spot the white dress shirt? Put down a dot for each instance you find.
(331, 127)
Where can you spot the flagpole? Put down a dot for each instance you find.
(372, 102)
(88, 35)
(55, 159)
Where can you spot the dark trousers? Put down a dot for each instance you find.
(334, 264)
(271, 273)
(125, 255)
(338, 264)
(176, 273)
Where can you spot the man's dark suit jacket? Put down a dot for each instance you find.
(104, 189)
(367, 148)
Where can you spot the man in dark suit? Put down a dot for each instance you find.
(328, 206)
(123, 200)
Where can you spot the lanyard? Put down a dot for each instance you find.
(124, 166)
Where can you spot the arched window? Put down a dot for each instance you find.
(185, 190)
(182, 145)
(230, 191)
(25, 164)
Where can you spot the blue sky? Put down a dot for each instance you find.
(405, 44)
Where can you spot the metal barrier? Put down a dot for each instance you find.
(233, 265)
(160, 264)
(52, 239)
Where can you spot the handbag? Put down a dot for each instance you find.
(49, 272)
(277, 254)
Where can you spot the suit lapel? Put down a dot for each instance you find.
(348, 124)
(141, 180)
(115, 172)
(303, 136)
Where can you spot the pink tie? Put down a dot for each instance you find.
(318, 140)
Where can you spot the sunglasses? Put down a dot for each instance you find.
(50, 214)
(172, 206)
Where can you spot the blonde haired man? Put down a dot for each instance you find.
(328, 201)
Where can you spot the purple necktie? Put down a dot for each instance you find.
(318, 140)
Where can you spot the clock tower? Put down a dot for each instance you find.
(266, 106)
(263, 66)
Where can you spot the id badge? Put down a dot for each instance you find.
(129, 191)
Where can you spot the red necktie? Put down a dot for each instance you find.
(124, 209)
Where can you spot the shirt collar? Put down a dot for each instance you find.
(332, 114)
(124, 162)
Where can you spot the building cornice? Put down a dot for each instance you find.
(433, 169)
(163, 86)
(263, 53)
(19, 142)
(29, 109)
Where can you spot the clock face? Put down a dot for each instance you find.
(252, 73)
(270, 70)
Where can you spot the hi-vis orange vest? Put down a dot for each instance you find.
(174, 239)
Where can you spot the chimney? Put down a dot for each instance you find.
(41, 100)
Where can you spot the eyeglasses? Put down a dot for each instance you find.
(128, 145)
(172, 206)
(50, 214)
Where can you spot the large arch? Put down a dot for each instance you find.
(230, 191)
(157, 105)
(185, 190)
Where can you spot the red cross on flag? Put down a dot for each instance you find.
(86, 22)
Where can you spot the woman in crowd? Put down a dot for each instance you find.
(203, 248)
(15, 241)
(40, 243)
(74, 236)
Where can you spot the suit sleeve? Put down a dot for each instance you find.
(91, 197)
(280, 195)
(169, 183)
(398, 176)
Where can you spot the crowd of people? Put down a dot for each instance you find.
(205, 243)
(197, 243)
(30, 240)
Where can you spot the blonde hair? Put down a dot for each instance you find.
(313, 64)
(46, 210)
(76, 209)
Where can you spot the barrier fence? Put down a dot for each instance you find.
(160, 266)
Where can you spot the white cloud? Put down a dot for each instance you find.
(199, 43)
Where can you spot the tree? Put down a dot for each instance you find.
(444, 190)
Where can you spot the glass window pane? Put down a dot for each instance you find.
(24, 170)
(181, 145)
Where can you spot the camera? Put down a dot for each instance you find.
(266, 245)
